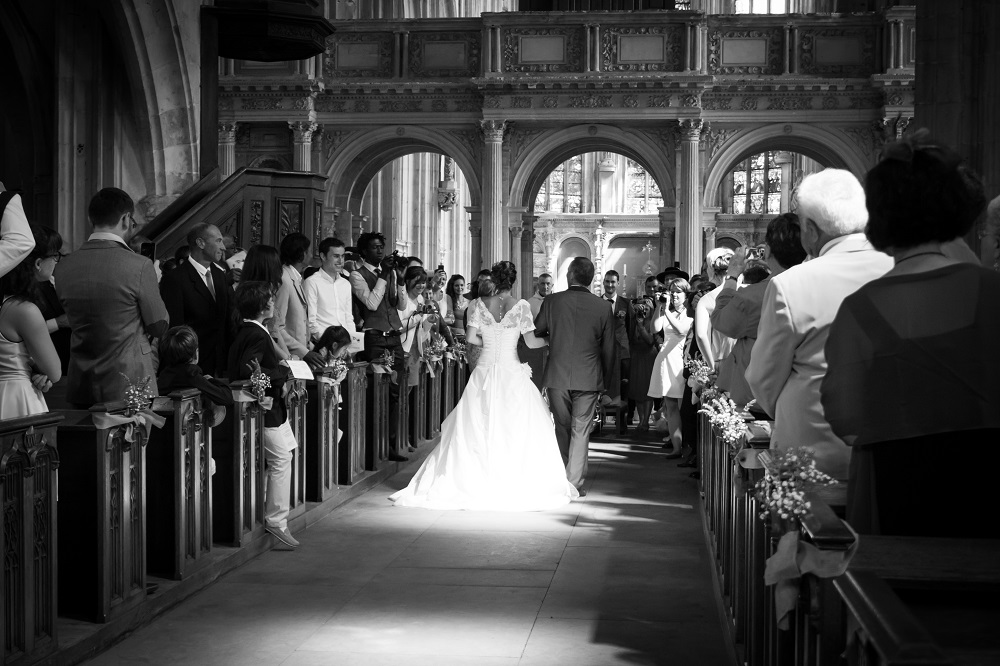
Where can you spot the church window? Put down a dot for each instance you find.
(757, 185)
(562, 191)
(761, 7)
(642, 194)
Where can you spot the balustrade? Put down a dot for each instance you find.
(179, 488)
(238, 483)
(28, 463)
(102, 528)
(296, 401)
(322, 436)
(352, 444)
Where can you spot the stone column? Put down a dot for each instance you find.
(689, 251)
(494, 227)
(667, 225)
(227, 149)
(784, 160)
(709, 239)
(526, 267)
(476, 240)
(302, 131)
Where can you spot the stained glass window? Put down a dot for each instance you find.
(642, 195)
(761, 7)
(757, 185)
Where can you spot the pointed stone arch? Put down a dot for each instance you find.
(652, 148)
(827, 146)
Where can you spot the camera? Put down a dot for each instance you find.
(427, 308)
(663, 296)
(394, 260)
(755, 253)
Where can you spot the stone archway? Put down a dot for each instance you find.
(829, 147)
(543, 153)
(570, 246)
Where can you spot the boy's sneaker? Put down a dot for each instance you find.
(283, 535)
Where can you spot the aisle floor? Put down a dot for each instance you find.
(619, 577)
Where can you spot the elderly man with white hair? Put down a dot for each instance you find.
(788, 362)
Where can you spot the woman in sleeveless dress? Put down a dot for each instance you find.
(671, 320)
(456, 305)
(498, 448)
(24, 340)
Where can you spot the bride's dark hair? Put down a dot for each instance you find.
(504, 273)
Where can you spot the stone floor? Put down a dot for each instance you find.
(619, 577)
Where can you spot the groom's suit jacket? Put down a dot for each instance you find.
(581, 331)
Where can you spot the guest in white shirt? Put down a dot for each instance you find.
(714, 345)
(328, 294)
(290, 316)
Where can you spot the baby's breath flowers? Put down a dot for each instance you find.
(726, 418)
(259, 382)
(138, 397)
(788, 476)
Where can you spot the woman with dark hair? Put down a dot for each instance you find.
(263, 264)
(482, 286)
(455, 305)
(24, 342)
(913, 373)
(670, 319)
(498, 447)
(45, 256)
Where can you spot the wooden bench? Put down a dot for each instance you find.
(238, 483)
(28, 463)
(322, 427)
(377, 424)
(296, 401)
(352, 444)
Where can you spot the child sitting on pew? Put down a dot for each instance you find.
(252, 348)
(179, 370)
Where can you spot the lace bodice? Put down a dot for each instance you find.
(500, 337)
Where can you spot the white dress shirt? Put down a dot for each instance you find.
(372, 298)
(16, 241)
(203, 272)
(328, 302)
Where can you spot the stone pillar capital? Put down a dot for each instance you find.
(227, 132)
(493, 130)
(690, 129)
(302, 130)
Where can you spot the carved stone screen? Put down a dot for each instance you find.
(542, 49)
(838, 51)
(744, 52)
(641, 48)
(362, 55)
(445, 55)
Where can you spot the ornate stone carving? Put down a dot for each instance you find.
(471, 140)
(492, 102)
(550, 102)
(302, 130)
(471, 41)
(630, 102)
(333, 139)
(572, 62)
(691, 100)
(520, 139)
(493, 130)
(468, 106)
(774, 39)
(789, 102)
(225, 103)
(326, 103)
(449, 168)
(439, 106)
(447, 197)
(673, 39)
(865, 100)
(400, 106)
(749, 104)
(260, 103)
(830, 103)
(591, 101)
(227, 132)
(300, 103)
(870, 138)
(362, 106)
(690, 128)
(658, 101)
(256, 221)
(520, 102)
(383, 41)
(716, 102)
(807, 52)
(716, 137)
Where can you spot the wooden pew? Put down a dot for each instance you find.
(461, 378)
(179, 489)
(28, 463)
(238, 484)
(448, 385)
(322, 450)
(352, 444)
(419, 407)
(403, 409)
(377, 424)
(102, 518)
(433, 395)
(296, 401)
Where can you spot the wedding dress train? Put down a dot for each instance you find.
(498, 449)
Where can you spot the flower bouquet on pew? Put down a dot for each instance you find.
(138, 397)
(384, 365)
(138, 415)
(789, 475)
(458, 351)
(701, 380)
(727, 419)
(433, 353)
(338, 367)
(259, 383)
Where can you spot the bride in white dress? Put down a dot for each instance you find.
(498, 449)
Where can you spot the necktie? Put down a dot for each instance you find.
(378, 273)
(209, 283)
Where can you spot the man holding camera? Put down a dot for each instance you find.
(380, 293)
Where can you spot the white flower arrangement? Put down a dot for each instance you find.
(726, 418)
(788, 476)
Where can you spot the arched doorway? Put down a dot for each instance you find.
(569, 249)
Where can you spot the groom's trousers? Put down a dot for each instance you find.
(573, 412)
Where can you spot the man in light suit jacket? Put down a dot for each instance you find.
(113, 305)
(788, 362)
(197, 294)
(290, 314)
(16, 241)
(581, 334)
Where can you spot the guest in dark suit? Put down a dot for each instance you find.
(624, 319)
(581, 361)
(255, 303)
(179, 370)
(112, 305)
(197, 295)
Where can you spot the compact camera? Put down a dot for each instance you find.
(755, 253)
(427, 308)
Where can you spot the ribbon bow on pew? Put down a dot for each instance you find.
(144, 419)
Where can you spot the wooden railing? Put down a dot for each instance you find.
(141, 503)
(871, 615)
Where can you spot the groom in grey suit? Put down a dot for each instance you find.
(581, 336)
